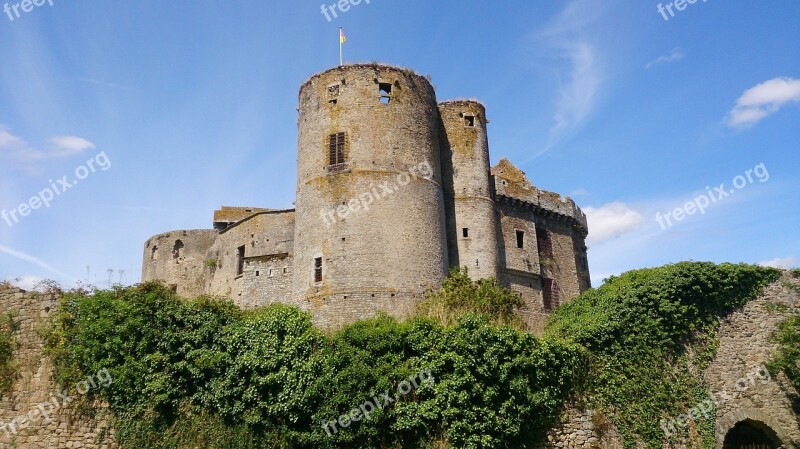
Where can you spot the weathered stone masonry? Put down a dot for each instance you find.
(349, 250)
(34, 385)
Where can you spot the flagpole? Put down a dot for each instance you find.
(340, 47)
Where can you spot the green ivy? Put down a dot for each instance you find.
(651, 332)
(8, 371)
(788, 357)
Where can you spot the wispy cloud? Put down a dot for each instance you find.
(674, 56)
(580, 73)
(16, 149)
(765, 99)
(611, 221)
(38, 262)
(781, 262)
(69, 145)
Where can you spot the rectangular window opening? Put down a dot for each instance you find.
(469, 121)
(337, 156)
(240, 260)
(318, 269)
(465, 232)
(385, 90)
(520, 239)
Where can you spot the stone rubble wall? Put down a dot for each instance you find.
(34, 385)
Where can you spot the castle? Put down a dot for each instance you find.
(393, 189)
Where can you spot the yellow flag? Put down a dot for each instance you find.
(342, 39)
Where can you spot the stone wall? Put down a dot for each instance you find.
(744, 347)
(179, 259)
(33, 391)
(263, 234)
(743, 390)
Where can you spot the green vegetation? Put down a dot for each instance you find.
(205, 374)
(788, 357)
(8, 372)
(460, 295)
(651, 332)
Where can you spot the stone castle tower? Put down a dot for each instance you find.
(393, 189)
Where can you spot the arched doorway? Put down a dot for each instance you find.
(750, 434)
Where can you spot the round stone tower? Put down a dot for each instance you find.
(471, 218)
(369, 231)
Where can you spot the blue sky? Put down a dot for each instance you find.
(184, 106)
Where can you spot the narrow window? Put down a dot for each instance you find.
(385, 90)
(520, 239)
(258, 273)
(154, 253)
(469, 121)
(240, 261)
(336, 150)
(318, 269)
(285, 270)
(544, 243)
(270, 272)
(465, 232)
(550, 294)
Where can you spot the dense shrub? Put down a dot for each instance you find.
(459, 294)
(268, 378)
(650, 333)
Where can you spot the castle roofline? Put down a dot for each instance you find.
(512, 184)
(268, 212)
(364, 65)
(462, 101)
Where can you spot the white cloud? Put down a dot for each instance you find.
(69, 145)
(674, 56)
(567, 36)
(781, 262)
(763, 100)
(28, 283)
(16, 149)
(611, 221)
(576, 98)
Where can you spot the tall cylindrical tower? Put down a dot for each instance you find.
(471, 217)
(370, 207)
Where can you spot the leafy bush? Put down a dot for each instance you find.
(268, 378)
(641, 328)
(459, 294)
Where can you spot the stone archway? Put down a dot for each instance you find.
(747, 428)
(749, 434)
